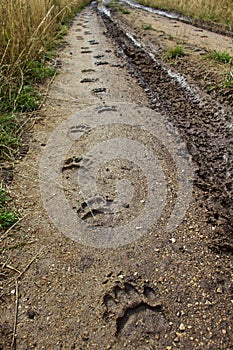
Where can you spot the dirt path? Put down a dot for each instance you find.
(125, 263)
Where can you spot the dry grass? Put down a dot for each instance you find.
(213, 10)
(26, 29)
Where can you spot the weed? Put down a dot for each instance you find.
(228, 81)
(175, 53)
(9, 140)
(62, 32)
(37, 71)
(7, 217)
(27, 100)
(124, 10)
(220, 57)
(117, 7)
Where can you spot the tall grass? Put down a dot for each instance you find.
(27, 28)
(213, 10)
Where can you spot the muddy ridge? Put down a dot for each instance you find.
(205, 125)
(197, 22)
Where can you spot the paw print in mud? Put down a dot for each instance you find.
(78, 130)
(135, 310)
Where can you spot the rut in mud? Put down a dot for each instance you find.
(205, 124)
(164, 289)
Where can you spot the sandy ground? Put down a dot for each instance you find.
(164, 289)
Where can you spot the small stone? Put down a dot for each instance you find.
(161, 279)
(31, 314)
(182, 327)
(85, 335)
(172, 240)
(224, 331)
(219, 290)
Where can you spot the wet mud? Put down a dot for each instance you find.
(205, 125)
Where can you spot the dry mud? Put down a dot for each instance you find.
(164, 290)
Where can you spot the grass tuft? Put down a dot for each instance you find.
(175, 53)
(7, 217)
(9, 140)
(220, 57)
(37, 71)
(114, 5)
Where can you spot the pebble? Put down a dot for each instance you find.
(172, 240)
(31, 314)
(182, 327)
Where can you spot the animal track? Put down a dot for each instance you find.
(86, 51)
(101, 63)
(88, 70)
(98, 90)
(135, 309)
(71, 163)
(93, 42)
(89, 80)
(98, 56)
(107, 109)
(78, 130)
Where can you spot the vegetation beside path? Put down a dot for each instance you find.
(211, 10)
(29, 32)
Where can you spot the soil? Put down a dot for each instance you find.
(163, 289)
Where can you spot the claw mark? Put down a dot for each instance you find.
(98, 90)
(89, 80)
(78, 130)
(98, 56)
(88, 70)
(93, 42)
(107, 109)
(71, 163)
(135, 310)
(101, 63)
